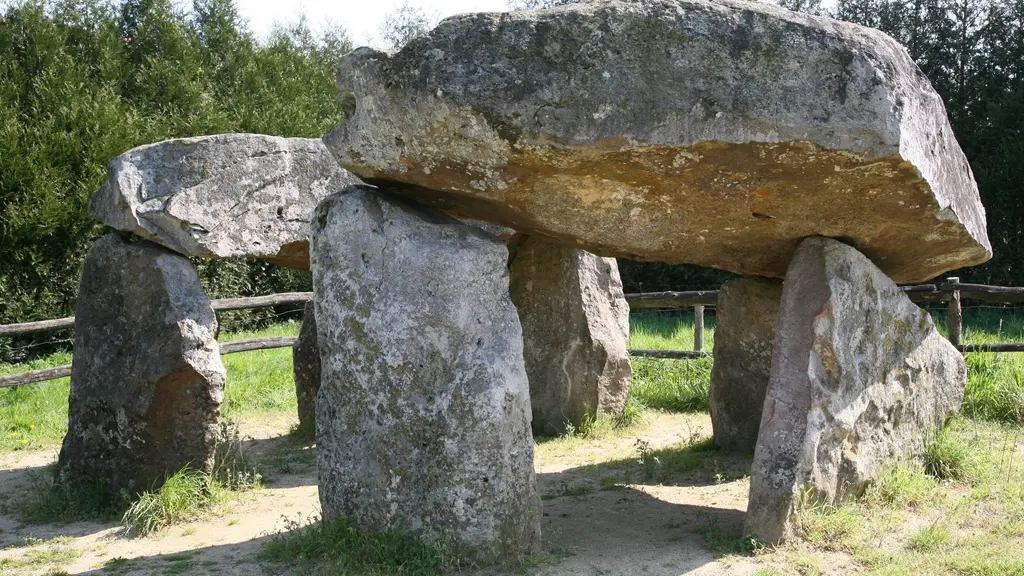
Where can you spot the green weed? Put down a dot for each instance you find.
(901, 486)
(183, 496)
(232, 468)
(323, 548)
(826, 525)
(49, 502)
(949, 455)
(51, 556)
(931, 537)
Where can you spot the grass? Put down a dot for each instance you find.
(47, 554)
(961, 514)
(674, 385)
(337, 548)
(184, 496)
(34, 416)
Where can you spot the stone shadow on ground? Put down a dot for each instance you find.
(286, 461)
(616, 531)
(632, 531)
(228, 559)
(682, 465)
(665, 512)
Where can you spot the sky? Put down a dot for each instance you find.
(361, 18)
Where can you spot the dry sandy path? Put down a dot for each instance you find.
(601, 516)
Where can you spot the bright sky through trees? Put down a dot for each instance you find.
(361, 18)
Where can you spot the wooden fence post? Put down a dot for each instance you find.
(954, 314)
(698, 328)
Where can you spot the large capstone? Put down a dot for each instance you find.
(224, 196)
(744, 335)
(306, 370)
(575, 327)
(423, 415)
(146, 378)
(860, 377)
(717, 133)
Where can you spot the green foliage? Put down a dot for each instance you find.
(950, 455)
(182, 497)
(338, 548)
(931, 537)
(901, 487)
(82, 81)
(973, 53)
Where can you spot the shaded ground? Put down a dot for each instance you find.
(604, 511)
(655, 499)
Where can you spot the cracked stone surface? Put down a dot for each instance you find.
(146, 379)
(859, 377)
(423, 415)
(223, 196)
(717, 133)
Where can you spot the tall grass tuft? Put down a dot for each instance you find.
(951, 455)
(183, 497)
(995, 387)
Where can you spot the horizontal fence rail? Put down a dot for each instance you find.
(951, 292)
(64, 371)
(220, 305)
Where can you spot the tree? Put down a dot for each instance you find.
(82, 81)
(404, 24)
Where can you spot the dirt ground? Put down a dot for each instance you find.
(601, 515)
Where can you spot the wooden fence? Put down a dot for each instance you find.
(951, 292)
(221, 305)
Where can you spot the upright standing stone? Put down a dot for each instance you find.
(744, 335)
(859, 376)
(423, 416)
(146, 379)
(575, 329)
(306, 369)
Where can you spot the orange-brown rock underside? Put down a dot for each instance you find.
(740, 207)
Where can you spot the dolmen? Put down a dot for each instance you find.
(742, 136)
(461, 226)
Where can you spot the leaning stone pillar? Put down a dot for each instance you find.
(146, 379)
(575, 330)
(859, 376)
(306, 370)
(423, 415)
(744, 335)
